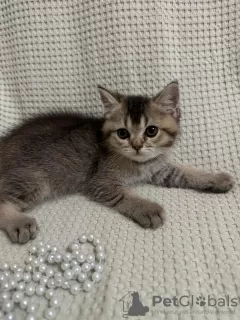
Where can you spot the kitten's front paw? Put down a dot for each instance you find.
(151, 216)
(220, 182)
(22, 229)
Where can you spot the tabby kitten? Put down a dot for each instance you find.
(58, 154)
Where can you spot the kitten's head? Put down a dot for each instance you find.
(139, 127)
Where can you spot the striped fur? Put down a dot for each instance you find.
(58, 154)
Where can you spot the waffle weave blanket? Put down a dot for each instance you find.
(52, 56)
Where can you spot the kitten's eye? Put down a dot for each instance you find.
(151, 131)
(123, 133)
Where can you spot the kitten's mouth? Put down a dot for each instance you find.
(140, 155)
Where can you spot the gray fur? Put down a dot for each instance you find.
(55, 155)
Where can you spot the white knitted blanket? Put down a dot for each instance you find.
(52, 56)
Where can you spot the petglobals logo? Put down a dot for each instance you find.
(132, 305)
(136, 304)
(190, 301)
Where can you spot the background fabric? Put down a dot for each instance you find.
(52, 56)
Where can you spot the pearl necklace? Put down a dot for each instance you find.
(45, 270)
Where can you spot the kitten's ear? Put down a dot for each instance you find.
(168, 100)
(110, 99)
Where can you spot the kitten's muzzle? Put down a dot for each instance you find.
(137, 148)
(137, 144)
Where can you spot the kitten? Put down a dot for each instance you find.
(58, 154)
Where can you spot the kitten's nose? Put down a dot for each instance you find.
(137, 144)
(137, 147)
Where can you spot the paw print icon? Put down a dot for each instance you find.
(201, 301)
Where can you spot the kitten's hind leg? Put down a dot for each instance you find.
(20, 192)
(19, 226)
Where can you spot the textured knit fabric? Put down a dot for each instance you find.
(52, 56)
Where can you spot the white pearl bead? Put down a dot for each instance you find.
(90, 237)
(40, 290)
(17, 296)
(65, 285)
(42, 268)
(58, 281)
(18, 276)
(48, 247)
(40, 244)
(9, 316)
(37, 276)
(14, 267)
(31, 317)
(28, 268)
(30, 289)
(5, 286)
(92, 264)
(5, 267)
(88, 285)
(51, 258)
(42, 250)
(90, 258)
(74, 263)
(2, 277)
(4, 296)
(33, 249)
(20, 269)
(58, 258)
(58, 274)
(7, 306)
(41, 260)
(27, 277)
(82, 238)
(54, 302)
(96, 276)
(50, 313)
(76, 270)
(51, 283)
(81, 258)
(99, 248)
(100, 255)
(96, 242)
(12, 283)
(75, 288)
(76, 253)
(7, 273)
(35, 263)
(29, 259)
(65, 266)
(86, 267)
(67, 257)
(24, 303)
(44, 280)
(82, 277)
(54, 249)
(73, 246)
(99, 267)
(68, 274)
(21, 286)
(31, 308)
(50, 272)
(49, 294)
